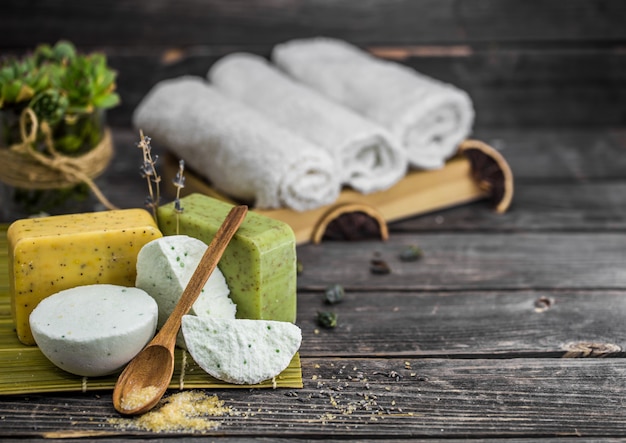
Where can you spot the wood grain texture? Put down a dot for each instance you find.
(556, 154)
(589, 207)
(471, 261)
(381, 398)
(238, 22)
(466, 324)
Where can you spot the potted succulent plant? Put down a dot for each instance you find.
(53, 138)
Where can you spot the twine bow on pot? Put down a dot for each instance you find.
(23, 166)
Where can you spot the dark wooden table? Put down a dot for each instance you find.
(510, 326)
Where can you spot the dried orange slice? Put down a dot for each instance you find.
(491, 172)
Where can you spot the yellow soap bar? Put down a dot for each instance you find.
(50, 254)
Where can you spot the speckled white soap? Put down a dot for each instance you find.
(94, 330)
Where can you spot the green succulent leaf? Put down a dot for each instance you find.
(50, 105)
(106, 101)
(59, 53)
(12, 92)
(64, 50)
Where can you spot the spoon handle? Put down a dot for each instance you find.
(205, 268)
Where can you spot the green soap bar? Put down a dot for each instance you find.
(259, 263)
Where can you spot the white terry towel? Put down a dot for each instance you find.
(368, 157)
(243, 154)
(429, 117)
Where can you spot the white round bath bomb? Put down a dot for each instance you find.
(241, 351)
(165, 266)
(94, 330)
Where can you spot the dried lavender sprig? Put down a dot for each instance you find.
(179, 180)
(179, 183)
(149, 172)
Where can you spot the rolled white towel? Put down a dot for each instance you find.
(369, 159)
(242, 153)
(428, 116)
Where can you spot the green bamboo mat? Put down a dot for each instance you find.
(24, 369)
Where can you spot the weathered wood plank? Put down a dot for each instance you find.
(382, 398)
(560, 154)
(192, 22)
(466, 261)
(466, 324)
(564, 207)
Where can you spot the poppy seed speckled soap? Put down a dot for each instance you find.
(259, 264)
(50, 254)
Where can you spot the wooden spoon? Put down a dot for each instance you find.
(146, 378)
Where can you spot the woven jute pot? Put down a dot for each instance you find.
(38, 178)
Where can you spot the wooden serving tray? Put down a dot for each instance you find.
(477, 172)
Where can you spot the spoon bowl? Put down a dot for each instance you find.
(139, 389)
(146, 378)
